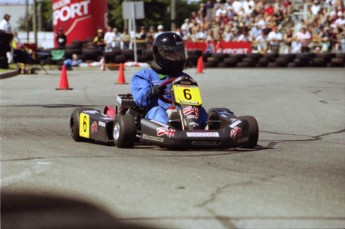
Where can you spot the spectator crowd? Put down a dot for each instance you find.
(271, 26)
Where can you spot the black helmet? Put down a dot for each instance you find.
(170, 53)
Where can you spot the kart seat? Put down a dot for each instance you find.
(213, 122)
(174, 120)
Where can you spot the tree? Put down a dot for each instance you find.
(156, 12)
(45, 10)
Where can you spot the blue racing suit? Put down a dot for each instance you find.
(141, 87)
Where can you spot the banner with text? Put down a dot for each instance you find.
(241, 47)
(79, 19)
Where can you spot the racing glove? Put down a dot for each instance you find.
(157, 90)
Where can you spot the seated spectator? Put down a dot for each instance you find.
(274, 38)
(303, 38)
(326, 40)
(261, 42)
(288, 38)
(228, 34)
(342, 42)
(201, 34)
(21, 53)
(75, 61)
(340, 22)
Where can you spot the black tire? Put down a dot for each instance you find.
(254, 56)
(319, 62)
(264, 61)
(124, 131)
(230, 61)
(74, 124)
(244, 65)
(120, 59)
(272, 65)
(253, 131)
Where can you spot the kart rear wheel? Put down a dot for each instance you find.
(124, 131)
(253, 131)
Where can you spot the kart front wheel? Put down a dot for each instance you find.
(74, 125)
(124, 131)
(253, 131)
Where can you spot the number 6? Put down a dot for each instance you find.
(187, 94)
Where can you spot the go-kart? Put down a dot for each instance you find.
(124, 125)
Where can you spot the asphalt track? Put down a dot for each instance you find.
(295, 178)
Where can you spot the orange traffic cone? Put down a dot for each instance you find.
(200, 65)
(63, 80)
(121, 76)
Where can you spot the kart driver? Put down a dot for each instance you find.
(170, 56)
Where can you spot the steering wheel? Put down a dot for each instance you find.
(163, 84)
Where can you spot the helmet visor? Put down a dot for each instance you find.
(173, 52)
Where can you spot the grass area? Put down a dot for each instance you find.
(12, 68)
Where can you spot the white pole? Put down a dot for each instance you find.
(134, 34)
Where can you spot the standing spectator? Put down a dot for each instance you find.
(236, 6)
(185, 29)
(248, 6)
(125, 39)
(5, 41)
(142, 34)
(269, 10)
(315, 8)
(209, 10)
(221, 10)
(109, 38)
(160, 29)
(5, 24)
(287, 7)
(202, 11)
(98, 40)
(117, 38)
(150, 37)
(61, 39)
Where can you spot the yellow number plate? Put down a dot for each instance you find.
(84, 125)
(187, 95)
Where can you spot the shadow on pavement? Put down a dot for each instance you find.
(23, 210)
